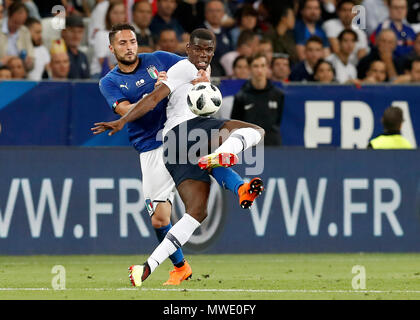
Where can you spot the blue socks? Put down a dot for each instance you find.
(177, 257)
(227, 178)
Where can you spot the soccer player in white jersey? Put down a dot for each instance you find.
(192, 181)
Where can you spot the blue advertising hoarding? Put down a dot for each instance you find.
(62, 113)
(82, 200)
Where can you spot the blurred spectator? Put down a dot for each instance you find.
(309, 25)
(247, 46)
(324, 72)
(391, 138)
(413, 76)
(333, 27)
(103, 60)
(97, 19)
(265, 47)
(345, 70)
(17, 67)
(283, 38)
(214, 12)
(41, 54)
(260, 102)
(240, 68)
(15, 38)
(376, 12)
(73, 36)
(1, 10)
(142, 17)
(303, 71)
(247, 20)
(5, 73)
(413, 54)
(59, 66)
(164, 19)
(280, 68)
(397, 23)
(194, 10)
(384, 51)
(376, 72)
(168, 41)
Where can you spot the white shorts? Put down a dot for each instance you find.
(158, 185)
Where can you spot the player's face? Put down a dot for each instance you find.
(125, 47)
(200, 52)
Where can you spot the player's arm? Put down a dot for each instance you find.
(135, 112)
(123, 107)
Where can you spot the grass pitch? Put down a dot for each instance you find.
(233, 277)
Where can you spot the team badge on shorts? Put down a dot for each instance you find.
(153, 73)
(149, 207)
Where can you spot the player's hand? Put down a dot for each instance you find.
(202, 77)
(161, 77)
(112, 127)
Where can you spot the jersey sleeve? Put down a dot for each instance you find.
(179, 74)
(168, 59)
(112, 94)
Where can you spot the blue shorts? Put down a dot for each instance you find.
(182, 151)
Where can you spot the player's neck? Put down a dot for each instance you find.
(128, 68)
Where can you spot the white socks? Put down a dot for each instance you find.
(240, 140)
(176, 237)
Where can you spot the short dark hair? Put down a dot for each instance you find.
(4, 68)
(392, 118)
(347, 31)
(314, 39)
(136, 3)
(119, 27)
(30, 21)
(277, 56)
(256, 56)
(342, 2)
(15, 7)
(245, 36)
(276, 18)
(202, 33)
(320, 62)
(237, 59)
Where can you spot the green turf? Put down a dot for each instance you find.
(289, 276)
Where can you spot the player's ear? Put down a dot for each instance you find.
(111, 48)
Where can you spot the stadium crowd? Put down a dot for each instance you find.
(326, 41)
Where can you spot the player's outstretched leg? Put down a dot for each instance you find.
(161, 223)
(246, 191)
(194, 194)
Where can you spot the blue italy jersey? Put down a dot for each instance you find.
(118, 86)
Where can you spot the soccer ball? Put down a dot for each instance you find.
(204, 99)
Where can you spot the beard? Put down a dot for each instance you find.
(126, 62)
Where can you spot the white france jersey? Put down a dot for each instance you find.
(179, 83)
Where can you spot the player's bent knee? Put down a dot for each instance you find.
(198, 214)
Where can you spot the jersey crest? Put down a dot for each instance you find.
(152, 71)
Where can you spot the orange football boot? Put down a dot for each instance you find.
(178, 275)
(249, 191)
